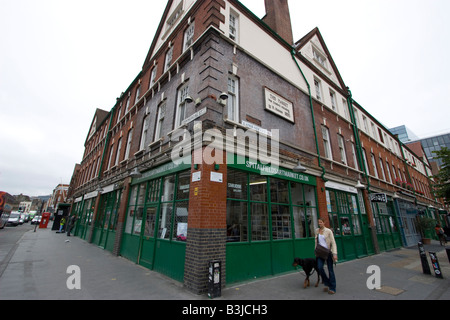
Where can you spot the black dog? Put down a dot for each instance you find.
(309, 265)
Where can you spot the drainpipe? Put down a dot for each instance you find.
(357, 141)
(359, 151)
(312, 114)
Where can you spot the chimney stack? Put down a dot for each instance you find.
(278, 19)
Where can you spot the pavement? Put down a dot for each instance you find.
(38, 268)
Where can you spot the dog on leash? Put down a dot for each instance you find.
(309, 265)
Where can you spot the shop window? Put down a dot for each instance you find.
(150, 222)
(279, 190)
(165, 221)
(237, 185)
(237, 221)
(183, 185)
(259, 221)
(139, 213)
(258, 188)
(180, 225)
(131, 209)
(281, 222)
(254, 216)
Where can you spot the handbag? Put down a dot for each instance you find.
(321, 251)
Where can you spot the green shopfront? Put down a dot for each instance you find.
(349, 221)
(155, 230)
(271, 217)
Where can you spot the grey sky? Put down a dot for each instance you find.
(62, 59)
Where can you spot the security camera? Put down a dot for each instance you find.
(188, 99)
(223, 96)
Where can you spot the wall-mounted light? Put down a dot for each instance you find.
(359, 185)
(135, 174)
(299, 168)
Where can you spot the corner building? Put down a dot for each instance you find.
(198, 160)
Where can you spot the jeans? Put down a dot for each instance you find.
(330, 281)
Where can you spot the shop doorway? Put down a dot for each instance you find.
(350, 228)
(156, 224)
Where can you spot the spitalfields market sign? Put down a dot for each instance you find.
(239, 162)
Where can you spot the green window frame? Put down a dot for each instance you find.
(268, 208)
(164, 202)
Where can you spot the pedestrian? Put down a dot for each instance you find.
(325, 238)
(71, 224)
(441, 234)
(62, 222)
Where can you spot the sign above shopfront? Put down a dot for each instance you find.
(378, 197)
(239, 162)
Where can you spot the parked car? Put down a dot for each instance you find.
(36, 220)
(14, 219)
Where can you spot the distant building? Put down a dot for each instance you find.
(435, 143)
(59, 196)
(405, 135)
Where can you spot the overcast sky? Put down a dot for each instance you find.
(62, 59)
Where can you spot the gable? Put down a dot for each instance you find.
(173, 14)
(313, 48)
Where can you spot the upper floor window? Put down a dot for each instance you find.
(342, 152)
(327, 143)
(168, 62)
(319, 57)
(318, 87)
(128, 105)
(128, 146)
(233, 99)
(183, 92)
(138, 93)
(234, 24)
(153, 77)
(333, 101)
(119, 147)
(160, 121)
(189, 36)
(145, 126)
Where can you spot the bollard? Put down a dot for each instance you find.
(448, 253)
(423, 259)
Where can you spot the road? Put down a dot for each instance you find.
(9, 241)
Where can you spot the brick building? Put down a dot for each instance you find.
(230, 143)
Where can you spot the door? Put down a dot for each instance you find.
(147, 241)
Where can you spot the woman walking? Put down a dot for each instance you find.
(325, 238)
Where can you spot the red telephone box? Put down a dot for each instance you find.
(44, 220)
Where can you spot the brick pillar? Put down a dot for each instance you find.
(206, 238)
(372, 228)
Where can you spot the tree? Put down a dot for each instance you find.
(442, 179)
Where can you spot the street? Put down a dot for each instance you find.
(9, 241)
(44, 265)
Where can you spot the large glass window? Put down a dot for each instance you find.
(261, 208)
(171, 195)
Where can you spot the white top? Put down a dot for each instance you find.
(322, 241)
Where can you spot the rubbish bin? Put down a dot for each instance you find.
(214, 279)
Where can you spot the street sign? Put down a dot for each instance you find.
(378, 197)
